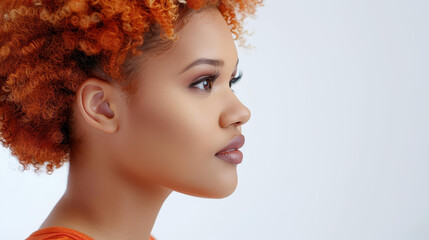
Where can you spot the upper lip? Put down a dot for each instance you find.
(236, 143)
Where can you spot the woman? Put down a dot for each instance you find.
(134, 94)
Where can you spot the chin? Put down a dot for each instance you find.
(221, 194)
(222, 190)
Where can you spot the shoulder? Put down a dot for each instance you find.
(61, 233)
(58, 233)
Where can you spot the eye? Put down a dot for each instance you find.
(206, 83)
(236, 79)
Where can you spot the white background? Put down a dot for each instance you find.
(337, 146)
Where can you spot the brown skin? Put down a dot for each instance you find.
(134, 154)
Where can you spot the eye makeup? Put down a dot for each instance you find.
(236, 79)
(208, 81)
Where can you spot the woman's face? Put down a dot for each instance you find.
(170, 131)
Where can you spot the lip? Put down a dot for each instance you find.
(236, 143)
(234, 155)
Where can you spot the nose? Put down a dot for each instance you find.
(235, 113)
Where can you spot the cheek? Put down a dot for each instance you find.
(171, 139)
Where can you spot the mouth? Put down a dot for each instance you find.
(230, 152)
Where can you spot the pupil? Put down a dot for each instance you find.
(205, 84)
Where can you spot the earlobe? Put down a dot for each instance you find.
(95, 100)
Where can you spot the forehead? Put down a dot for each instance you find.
(204, 35)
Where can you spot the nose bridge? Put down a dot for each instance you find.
(234, 111)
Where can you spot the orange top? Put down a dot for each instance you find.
(60, 233)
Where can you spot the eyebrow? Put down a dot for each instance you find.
(214, 62)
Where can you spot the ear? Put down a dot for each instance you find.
(96, 102)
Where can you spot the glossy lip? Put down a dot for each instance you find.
(236, 143)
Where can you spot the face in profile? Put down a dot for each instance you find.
(184, 112)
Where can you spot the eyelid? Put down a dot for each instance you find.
(236, 79)
(211, 78)
(235, 71)
(214, 75)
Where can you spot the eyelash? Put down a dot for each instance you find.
(212, 77)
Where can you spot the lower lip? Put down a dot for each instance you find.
(234, 157)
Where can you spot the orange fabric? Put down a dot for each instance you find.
(60, 233)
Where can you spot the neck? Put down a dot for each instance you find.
(103, 205)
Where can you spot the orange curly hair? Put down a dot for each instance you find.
(49, 47)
